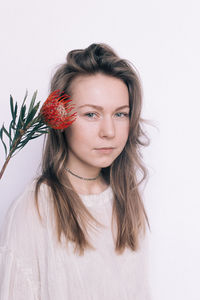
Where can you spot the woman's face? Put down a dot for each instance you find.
(102, 105)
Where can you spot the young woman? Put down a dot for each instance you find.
(78, 231)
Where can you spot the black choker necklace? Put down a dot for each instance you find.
(82, 177)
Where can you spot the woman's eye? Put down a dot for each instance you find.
(89, 115)
(122, 114)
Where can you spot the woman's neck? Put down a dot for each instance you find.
(87, 186)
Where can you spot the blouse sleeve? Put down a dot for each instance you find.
(15, 279)
(21, 244)
(143, 275)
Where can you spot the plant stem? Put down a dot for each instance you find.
(10, 154)
(4, 166)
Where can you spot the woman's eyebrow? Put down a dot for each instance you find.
(100, 107)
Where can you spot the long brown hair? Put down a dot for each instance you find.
(72, 217)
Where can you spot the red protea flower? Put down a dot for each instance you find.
(55, 110)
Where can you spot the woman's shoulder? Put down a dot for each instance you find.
(25, 204)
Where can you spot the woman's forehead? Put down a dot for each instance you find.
(99, 89)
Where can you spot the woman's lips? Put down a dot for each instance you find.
(105, 150)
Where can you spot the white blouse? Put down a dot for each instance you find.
(33, 266)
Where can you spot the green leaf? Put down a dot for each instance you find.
(17, 132)
(22, 144)
(5, 148)
(35, 136)
(22, 114)
(11, 106)
(32, 102)
(43, 131)
(26, 137)
(23, 110)
(15, 113)
(37, 126)
(31, 114)
(6, 132)
(20, 122)
(10, 132)
(25, 97)
(1, 136)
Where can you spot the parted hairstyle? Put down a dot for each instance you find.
(124, 175)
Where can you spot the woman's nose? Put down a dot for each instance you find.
(107, 127)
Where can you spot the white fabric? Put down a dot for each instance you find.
(34, 266)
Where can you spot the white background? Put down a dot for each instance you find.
(162, 39)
